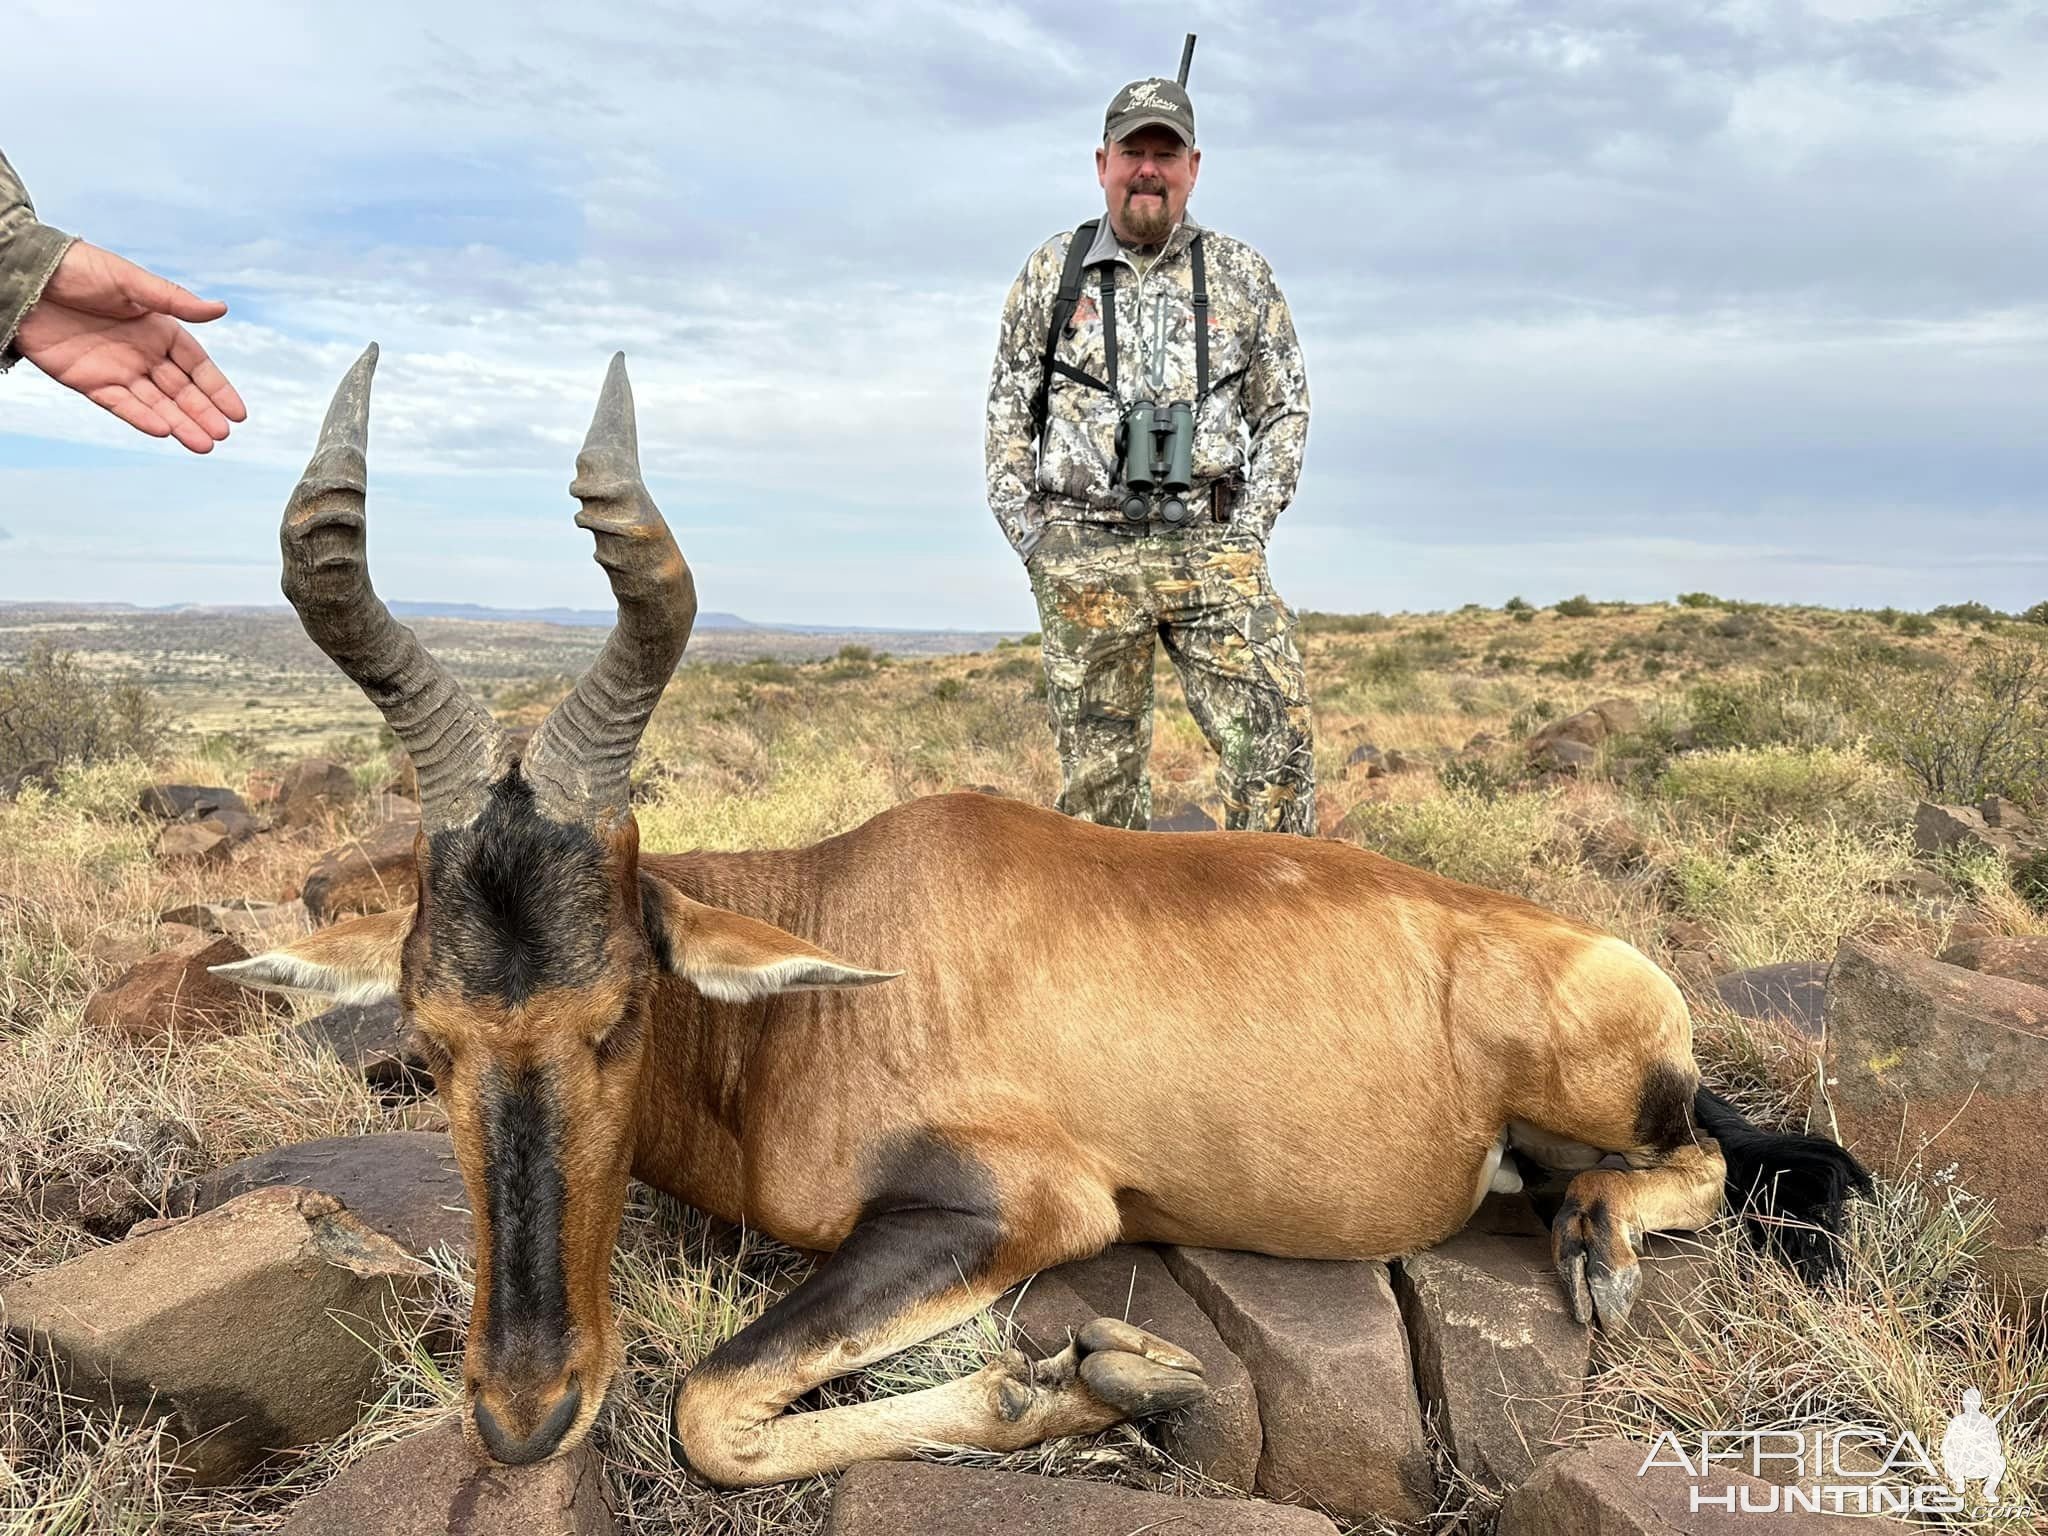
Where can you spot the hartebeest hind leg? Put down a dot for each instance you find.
(927, 1253)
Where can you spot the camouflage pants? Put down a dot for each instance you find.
(1104, 593)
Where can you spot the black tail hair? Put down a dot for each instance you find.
(1790, 1188)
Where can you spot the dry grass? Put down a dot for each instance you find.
(1776, 848)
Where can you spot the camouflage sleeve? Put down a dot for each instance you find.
(1276, 410)
(29, 253)
(1011, 444)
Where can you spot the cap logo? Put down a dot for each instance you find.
(1147, 95)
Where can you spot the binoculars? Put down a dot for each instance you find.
(1158, 447)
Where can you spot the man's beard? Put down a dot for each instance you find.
(1147, 223)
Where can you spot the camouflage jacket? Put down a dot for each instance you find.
(29, 253)
(1249, 433)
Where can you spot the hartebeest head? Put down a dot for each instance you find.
(531, 963)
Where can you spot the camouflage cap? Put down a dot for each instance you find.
(1147, 104)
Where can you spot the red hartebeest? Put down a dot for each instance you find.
(960, 1043)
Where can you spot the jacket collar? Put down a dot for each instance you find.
(1108, 248)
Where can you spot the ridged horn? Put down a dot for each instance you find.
(455, 745)
(581, 758)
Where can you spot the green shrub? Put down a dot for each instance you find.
(1344, 623)
(1975, 730)
(867, 652)
(2038, 614)
(1578, 666)
(1519, 605)
(52, 709)
(1501, 842)
(1752, 786)
(1580, 607)
(1915, 624)
(1698, 600)
(1968, 613)
(1785, 708)
(947, 689)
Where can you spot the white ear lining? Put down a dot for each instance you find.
(279, 971)
(799, 973)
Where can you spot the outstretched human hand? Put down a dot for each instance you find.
(109, 329)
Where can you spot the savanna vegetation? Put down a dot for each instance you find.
(1760, 811)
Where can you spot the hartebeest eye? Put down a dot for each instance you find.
(615, 1042)
(431, 1052)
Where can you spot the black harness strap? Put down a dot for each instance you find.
(1109, 323)
(1201, 322)
(1062, 314)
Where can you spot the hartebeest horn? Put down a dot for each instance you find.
(455, 745)
(582, 755)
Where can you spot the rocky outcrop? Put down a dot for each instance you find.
(1497, 1355)
(404, 1185)
(1329, 1358)
(372, 873)
(234, 1327)
(311, 791)
(1933, 1062)
(1793, 993)
(896, 1498)
(173, 995)
(435, 1484)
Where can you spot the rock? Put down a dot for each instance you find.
(909, 1498)
(1367, 756)
(312, 790)
(1602, 1486)
(1189, 818)
(1563, 756)
(1792, 992)
(373, 873)
(1942, 828)
(188, 802)
(2021, 957)
(433, 1483)
(172, 995)
(257, 924)
(1590, 726)
(1496, 1352)
(197, 842)
(118, 1181)
(42, 774)
(1329, 1358)
(1917, 884)
(1613, 847)
(1950, 1065)
(1998, 811)
(1482, 743)
(404, 1185)
(234, 1326)
(1219, 1435)
(375, 1039)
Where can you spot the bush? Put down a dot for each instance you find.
(1786, 708)
(1916, 624)
(53, 710)
(1755, 786)
(2038, 614)
(947, 689)
(1502, 841)
(1578, 666)
(1968, 613)
(1344, 623)
(1972, 731)
(867, 652)
(1518, 605)
(1580, 607)
(1698, 600)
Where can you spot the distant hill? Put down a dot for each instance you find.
(569, 618)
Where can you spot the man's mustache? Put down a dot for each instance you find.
(1156, 188)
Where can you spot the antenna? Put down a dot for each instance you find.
(1187, 57)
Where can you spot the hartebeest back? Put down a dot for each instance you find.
(960, 1043)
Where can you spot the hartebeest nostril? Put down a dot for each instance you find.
(504, 1443)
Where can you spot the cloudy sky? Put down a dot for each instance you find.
(1617, 296)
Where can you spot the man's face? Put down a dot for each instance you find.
(1147, 178)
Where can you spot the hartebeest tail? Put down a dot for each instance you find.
(961, 1043)
(1791, 1190)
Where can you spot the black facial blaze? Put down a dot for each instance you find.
(527, 1334)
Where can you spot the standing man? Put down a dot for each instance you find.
(1129, 533)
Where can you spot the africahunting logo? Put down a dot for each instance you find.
(1838, 1470)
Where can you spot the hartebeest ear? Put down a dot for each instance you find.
(736, 959)
(354, 961)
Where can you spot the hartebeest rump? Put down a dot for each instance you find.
(966, 1040)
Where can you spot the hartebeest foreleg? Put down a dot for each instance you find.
(947, 1229)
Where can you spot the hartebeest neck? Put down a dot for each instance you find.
(692, 1109)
